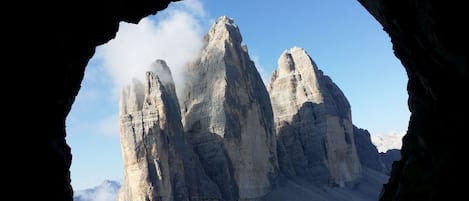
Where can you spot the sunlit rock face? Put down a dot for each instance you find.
(428, 38)
(313, 122)
(158, 163)
(228, 118)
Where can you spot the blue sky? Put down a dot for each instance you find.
(342, 38)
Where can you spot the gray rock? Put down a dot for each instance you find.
(369, 154)
(158, 162)
(227, 148)
(313, 122)
(388, 158)
(228, 117)
(367, 151)
(377, 152)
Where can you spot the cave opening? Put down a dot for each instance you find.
(54, 47)
(363, 68)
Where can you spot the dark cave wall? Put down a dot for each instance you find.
(56, 43)
(430, 39)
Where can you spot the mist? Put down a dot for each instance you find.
(107, 191)
(174, 35)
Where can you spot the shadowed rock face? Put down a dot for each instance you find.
(369, 155)
(429, 39)
(367, 151)
(313, 122)
(228, 116)
(388, 158)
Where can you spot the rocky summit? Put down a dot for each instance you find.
(313, 122)
(228, 117)
(159, 165)
(230, 138)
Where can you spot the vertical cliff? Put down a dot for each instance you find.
(313, 122)
(158, 163)
(228, 117)
(367, 151)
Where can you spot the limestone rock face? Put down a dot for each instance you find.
(158, 163)
(312, 121)
(367, 151)
(228, 118)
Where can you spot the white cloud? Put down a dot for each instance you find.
(105, 196)
(174, 35)
(106, 191)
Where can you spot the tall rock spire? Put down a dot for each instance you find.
(230, 137)
(228, 117)
(313, 122)
(158, 163)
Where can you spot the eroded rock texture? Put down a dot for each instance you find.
(429, 39)
(313, 122)
(159, 165)
(228, 117)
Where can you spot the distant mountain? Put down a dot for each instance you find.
(106, 191)
(387, 141)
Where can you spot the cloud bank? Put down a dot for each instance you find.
(107, 191)
(174, 35)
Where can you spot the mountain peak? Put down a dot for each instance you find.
(288, 61)
(313, 121)
(224, 29)
(226, 20)
(228, 116)
(295, 49)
